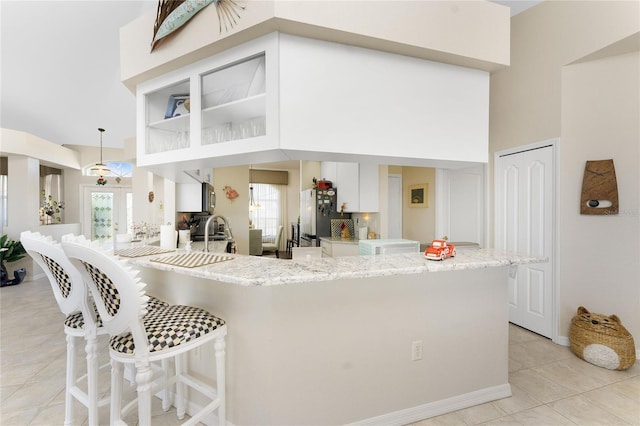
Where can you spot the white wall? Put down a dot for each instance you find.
(593, 108)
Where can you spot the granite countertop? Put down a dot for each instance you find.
(265, 271)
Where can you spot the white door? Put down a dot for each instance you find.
(525, 182)
(460, 205)
(107, 211)
(395, 206)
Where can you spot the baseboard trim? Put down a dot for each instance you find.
(443, 406)
(409, 415)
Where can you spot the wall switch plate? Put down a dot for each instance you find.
(416, 350)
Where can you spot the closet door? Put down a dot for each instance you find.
(524, 224)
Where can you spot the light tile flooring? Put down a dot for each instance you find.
(550, 385)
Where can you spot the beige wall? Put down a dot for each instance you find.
(600, 255)
(236, 210)
(418, 223)
(593, 107)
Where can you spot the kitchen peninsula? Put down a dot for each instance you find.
(329, 341)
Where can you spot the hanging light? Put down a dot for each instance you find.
(100, 169)
(252, 203)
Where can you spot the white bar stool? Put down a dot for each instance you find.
(139, 338)
(82, 321)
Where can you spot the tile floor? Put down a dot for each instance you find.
(550, 385)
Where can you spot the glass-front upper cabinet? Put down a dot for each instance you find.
(167, 124)
(234, 101)
(211, 109)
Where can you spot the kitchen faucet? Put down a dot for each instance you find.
(227, 229)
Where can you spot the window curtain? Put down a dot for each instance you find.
(270, 215)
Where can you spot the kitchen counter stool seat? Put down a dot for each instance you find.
(139, 338)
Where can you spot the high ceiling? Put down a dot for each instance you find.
(60, 77)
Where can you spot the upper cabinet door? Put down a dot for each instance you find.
(166, 117)
(357, 185)
(234, 102)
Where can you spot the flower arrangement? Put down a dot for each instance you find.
(50, 208)
(143, 230)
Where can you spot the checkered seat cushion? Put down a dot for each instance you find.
(76, 320)
(170, 327)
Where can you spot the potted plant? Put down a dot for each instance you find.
(11, 251)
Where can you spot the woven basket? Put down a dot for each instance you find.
(601, 340)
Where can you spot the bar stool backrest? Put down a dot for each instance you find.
(66, 281)
(117, 291)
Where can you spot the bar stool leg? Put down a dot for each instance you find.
(180, 397)
(166, 403)
(117, 376)
(71, 380)
(220, 346)
(143, 379)
(92, 380)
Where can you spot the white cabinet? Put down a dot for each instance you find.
(189, 197)
(212, 108)
(357, 185)
(339, 248)
(283, 97)
(328, 170)
(327, 248)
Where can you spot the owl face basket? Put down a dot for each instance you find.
(601, 340)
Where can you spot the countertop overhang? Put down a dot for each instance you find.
(263, 271)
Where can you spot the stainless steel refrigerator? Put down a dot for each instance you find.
(317, 208)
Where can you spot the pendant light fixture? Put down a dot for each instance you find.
(100, 169)
(253, 205)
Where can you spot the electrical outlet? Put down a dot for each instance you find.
(416, 350)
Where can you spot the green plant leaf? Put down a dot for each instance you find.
(15, 251)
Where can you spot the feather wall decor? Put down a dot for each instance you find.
(173, 14)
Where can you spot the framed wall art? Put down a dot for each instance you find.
(419, 195)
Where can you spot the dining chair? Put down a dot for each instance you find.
(139, 338)
(294, 241)
(275, 246)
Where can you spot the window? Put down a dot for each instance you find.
(269, 216)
